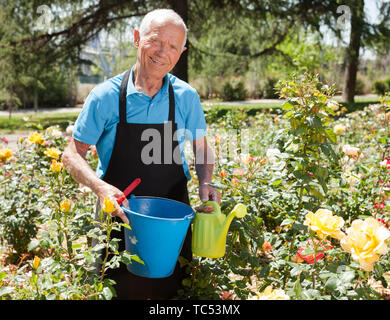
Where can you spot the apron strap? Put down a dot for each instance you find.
(171, 116)
(122, 100)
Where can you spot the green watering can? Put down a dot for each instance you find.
(210, 229)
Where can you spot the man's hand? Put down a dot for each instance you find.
(107, 190)
(204, 166)
(208, 193)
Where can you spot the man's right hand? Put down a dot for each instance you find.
(106, 190)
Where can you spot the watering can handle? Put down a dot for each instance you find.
(217, 208)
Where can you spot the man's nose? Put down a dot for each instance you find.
(162, 50)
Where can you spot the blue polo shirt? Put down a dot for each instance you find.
(96, 124)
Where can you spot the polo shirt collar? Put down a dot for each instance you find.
(131, 89)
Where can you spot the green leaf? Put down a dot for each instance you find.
(264, 271)
(183, 261)
(321, 172)
(258, 220)
(33, 244)
(307, 251)
(125, 225)
(287, 106)
(298, 226)
(347, 277)
(107, 293)
(286, 222)
(217, 185)
(297, 288)
(314, 122)
(316, 193)
(277, 182)
(331, 284)
(98, 247)
(379, 270)
(6, 290)
(136, 258)
(331, 135)
(311, 294)
(328, 151)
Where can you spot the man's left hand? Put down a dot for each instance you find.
(208, 193)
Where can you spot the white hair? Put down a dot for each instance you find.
(170, 14)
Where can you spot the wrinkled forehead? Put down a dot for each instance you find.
(166, 23)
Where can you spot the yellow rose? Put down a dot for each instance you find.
(366, 241)
(339, 129)
(53, 152)
(108, 205)
(344, 110)
(55, 166)
(65, 205)
(5, 154)
(333, 105)
(367, 137)
(36, 262)
(270, 294)
(324, 223)
(35, 137)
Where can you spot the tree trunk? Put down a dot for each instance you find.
(181, 68)
(35, 99)
(352, 54)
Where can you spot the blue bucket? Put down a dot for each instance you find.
(158, 229)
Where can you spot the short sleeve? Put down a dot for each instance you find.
(195, 121)
(90, 123)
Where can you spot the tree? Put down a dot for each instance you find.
(312, 15)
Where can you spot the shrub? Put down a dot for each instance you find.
(234, 93)
(269, 91)
(381, 86)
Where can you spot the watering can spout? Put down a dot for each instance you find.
(210, 230)
(238, 211)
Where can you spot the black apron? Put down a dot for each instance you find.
(165, 180)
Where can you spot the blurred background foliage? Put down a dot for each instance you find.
(53, 54)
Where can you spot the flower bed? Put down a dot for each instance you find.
(315, 181)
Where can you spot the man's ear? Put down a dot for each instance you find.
(136, 38)
(184, 49)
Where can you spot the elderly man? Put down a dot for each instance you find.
(118, 116)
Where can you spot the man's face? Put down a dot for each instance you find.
(160, 49)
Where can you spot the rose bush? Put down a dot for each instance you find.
(47, 226)
(298, 167)
(315, 181)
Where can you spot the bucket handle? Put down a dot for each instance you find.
(190, 216)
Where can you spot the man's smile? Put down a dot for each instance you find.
(156, 62)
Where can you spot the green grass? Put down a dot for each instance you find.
(360, 103)
(251, 109)
(21, 123)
